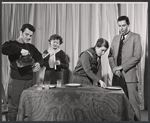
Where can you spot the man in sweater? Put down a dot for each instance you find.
(21, 74)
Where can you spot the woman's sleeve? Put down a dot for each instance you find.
(85, 60)
(46, 62)
(64, 61)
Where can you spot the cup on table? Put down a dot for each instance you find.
(39, 85)
(59, 83)
(39, 88)
(46, 84)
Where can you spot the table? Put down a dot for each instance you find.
(74, 104)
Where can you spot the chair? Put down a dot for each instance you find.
(4, 106)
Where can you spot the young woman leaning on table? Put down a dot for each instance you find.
(88, 68)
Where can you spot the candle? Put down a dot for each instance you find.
(54, 60)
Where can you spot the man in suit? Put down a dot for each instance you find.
(124, 56)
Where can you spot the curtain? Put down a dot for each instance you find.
(79, 24)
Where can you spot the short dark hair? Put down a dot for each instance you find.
(57, 37)
(102, 43)
(124, 18)
(29, 26)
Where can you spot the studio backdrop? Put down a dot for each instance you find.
(80, 25)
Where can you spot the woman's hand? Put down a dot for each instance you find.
(102, 84)
(57, 62)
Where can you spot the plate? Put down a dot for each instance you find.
(73, 85)
(113, 88)
(52, 86)
(48, 86)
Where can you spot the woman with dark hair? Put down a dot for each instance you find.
(88, 68)
(54, 60)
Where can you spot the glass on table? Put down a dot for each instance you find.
(46, 84)
(40, 85)
(59, 83)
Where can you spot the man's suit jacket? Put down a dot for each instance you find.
(131, 55)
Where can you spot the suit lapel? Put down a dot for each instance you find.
(118, 42)
(128, 36)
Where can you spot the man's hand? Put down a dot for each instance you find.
(117, 68)
(102, 84)
(118, 73)
(36, 67)
(24, 52)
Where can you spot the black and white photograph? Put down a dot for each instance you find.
(74, 61)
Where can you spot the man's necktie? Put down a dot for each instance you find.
(119, 58)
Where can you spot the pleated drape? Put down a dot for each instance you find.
(79, 24)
